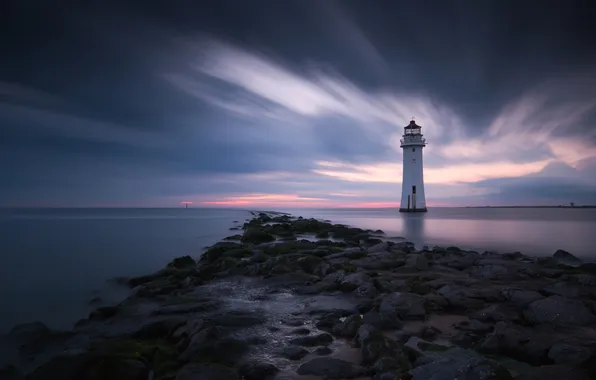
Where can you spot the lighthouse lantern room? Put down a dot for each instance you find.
(412, 190)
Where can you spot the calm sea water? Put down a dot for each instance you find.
(55, 260)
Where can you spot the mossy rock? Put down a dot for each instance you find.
(114, 360)
(418, 286)
(322, 235)
(215, 251)
(182, 262)
(104, 313)
(238, 253)
(289, 247)
(256, 236)
(348, 268)
(234, 237)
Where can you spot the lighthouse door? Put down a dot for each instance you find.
(414, 198)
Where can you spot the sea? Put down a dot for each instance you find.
(57, 265)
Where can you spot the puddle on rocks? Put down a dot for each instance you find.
(244, 294)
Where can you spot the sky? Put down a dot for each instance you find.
(295, 103)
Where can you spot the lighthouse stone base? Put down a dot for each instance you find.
(413, 210)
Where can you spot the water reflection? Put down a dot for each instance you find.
(413, 228)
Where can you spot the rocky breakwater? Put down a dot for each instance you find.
(294, 298)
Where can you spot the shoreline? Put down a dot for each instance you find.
(267, 304)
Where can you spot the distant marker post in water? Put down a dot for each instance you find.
(186, 204)
(412, 188)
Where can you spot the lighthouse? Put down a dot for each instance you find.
(412, 187)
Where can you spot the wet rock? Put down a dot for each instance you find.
(559, 311)
(313, 340)
(428, 332)
(566, 258)
(554, 372)
(471, 368)
(256, 370)
(416, 261)
(160, 329)
(182, 262)
(256, 236)
(567, 289)
(259, 257)
(29, 331)
(199, 305)
(323, 351)
(459, 297)
(196, 371)
(329, 368)
(402, 305)
(568, 354)
(496, 313)
(300, 331)
(213, 344)
(585, 279)
(381, 247)
(491, 272)
(238, 319)
(349, 327)
(353, 281)
(103, 313)
(521, 297)
(519, 342)
(588, 268)
(294, 322)
(293, 352)
(374, 345)
(382, 321)
(477, 326)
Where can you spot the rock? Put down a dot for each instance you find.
(293, 352)
(559, 311)
(259, 257)
(459, 297)
(160, 329)
(374, 345)
(323, 351)
(477, 326)
(402, 305)
(519, 342)
(329, 368)
(182, 262)
(313, 340)
(585, 279)
(256, 236)
(455, 369)
(382, 322)
(416, 261)
(381, 247)
(520, 297)
(196, 371)
(29, 331)
(103, 313)
(496, 313)
(491, 272)
(554, 372)
(588, 268)
(212, 344)
(562, 353)
(300, 331)
(238, 319)
(349, 327)
(566, 289)
(353, 281)
(566, 258)
(255, 370)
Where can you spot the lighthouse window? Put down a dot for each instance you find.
(413, 149)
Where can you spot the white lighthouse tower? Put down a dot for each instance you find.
(412, 188)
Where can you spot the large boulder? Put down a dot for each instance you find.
(560, 311)
(402, 305)
(518, 342)
(256, 236)
(182, 262)
(329, 368)
(566, 258)
(521, 297)
(197, 371)
(569, 354)
(416, 261)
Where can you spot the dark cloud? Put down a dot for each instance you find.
(126, 102)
